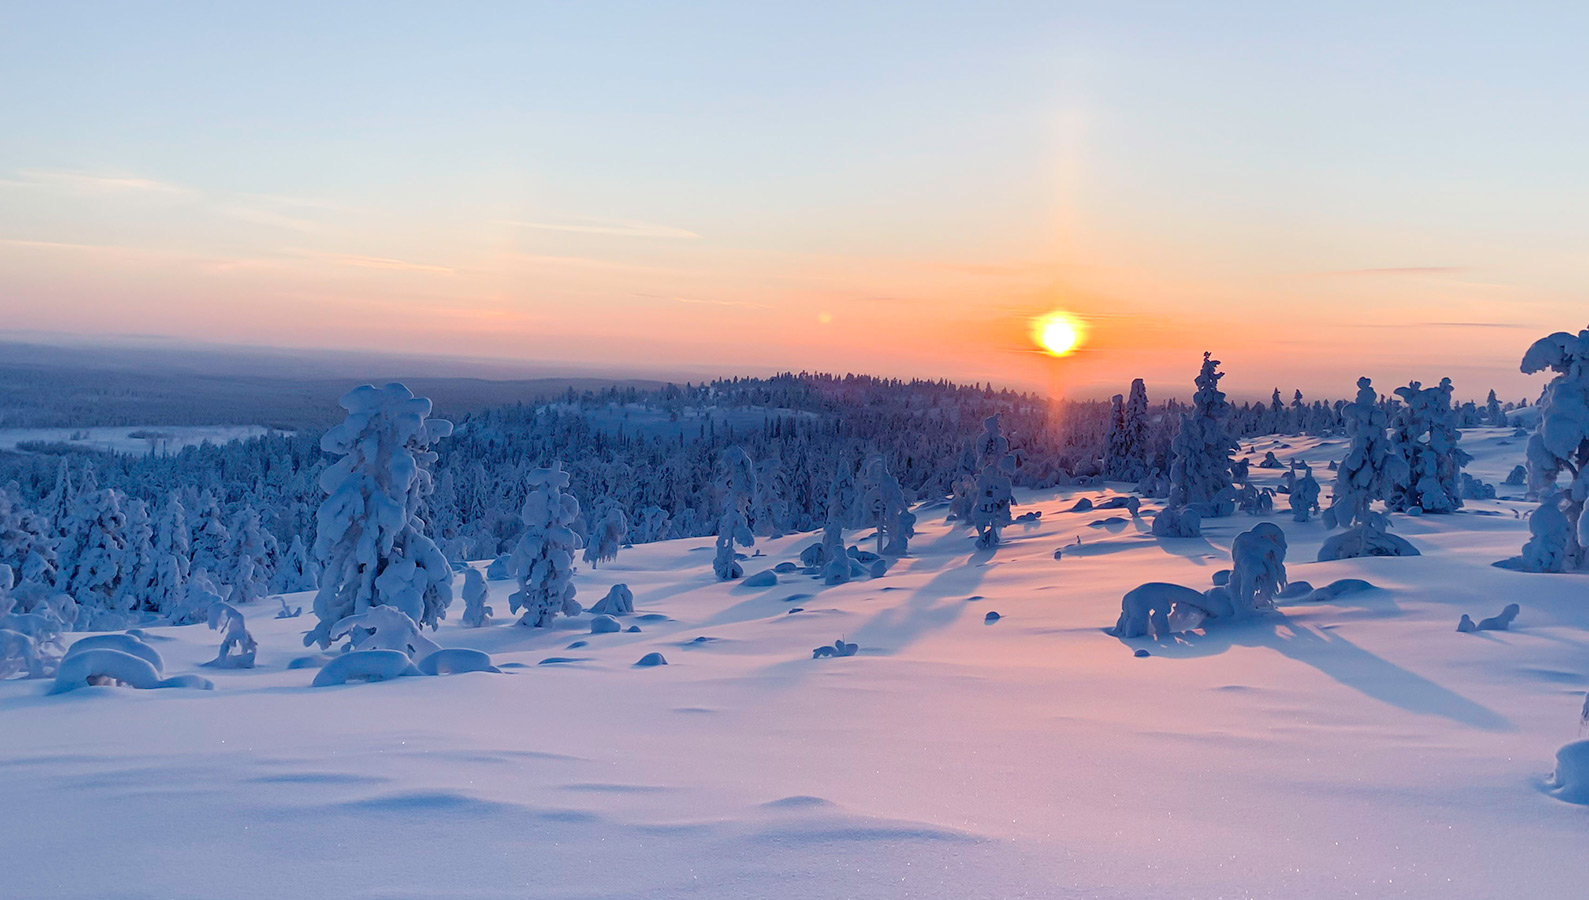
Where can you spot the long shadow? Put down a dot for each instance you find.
(1342, 660)
(932, 606)
(1194, 549)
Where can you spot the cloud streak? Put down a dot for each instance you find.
(608, 227)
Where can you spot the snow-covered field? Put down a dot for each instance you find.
(1357, 748)
(160, 439)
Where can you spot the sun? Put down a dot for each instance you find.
(1059, 333)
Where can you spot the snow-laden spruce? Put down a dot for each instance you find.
(1371, 470)
(995, 487)
(1304, 496)
(1559, 445)
(736, 483)
(371, 540)
(1425, 435)
(476, 593)
(886, 509)
(238, 646)
(608, 535)
(1126, 450)
(543, 560)
(1200, 470)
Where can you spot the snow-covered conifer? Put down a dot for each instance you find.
(1371, 470)
(608, 535)
(476, 594)
(371, 540)
(1559, 528)
(297, 570)
(1425, 435)
(543, 559)
(1200, 470)
(737, 486)
(887, 509)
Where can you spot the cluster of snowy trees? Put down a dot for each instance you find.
(380, 510)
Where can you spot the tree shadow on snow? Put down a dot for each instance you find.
(932, 606)
(1342, 660)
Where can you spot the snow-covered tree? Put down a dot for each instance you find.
(543, 560)
(91, 558)
(1371, 470)
(1126, 443)
(250, 557)
(1493, 414)
(1559, 528)
(1258, 570)
(297, 570)
(476, 594)
(210, 537)
(1200, 470)
(737, 486)
(886, 509)
(608, 535)
(995, 492)
(371, 540)
(1304, 496)
(1425, 435)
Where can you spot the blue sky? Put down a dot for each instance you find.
(1309, 192)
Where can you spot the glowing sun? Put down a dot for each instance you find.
(1059, 333)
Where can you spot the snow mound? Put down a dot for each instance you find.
(456, 661)
(365, 665)
(1571, 780)
(104, 665)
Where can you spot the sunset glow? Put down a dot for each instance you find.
(1059, 333)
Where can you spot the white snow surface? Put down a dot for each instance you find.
(1353, 748)
(162, 439)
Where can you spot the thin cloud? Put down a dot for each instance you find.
(1433, 325)
(1394, 271)
(90, 182)
(378, 262)
(743, 304)
(610, 227)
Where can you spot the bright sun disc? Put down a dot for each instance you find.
(1058, 333)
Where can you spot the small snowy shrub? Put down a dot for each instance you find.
(618, 602)
(237, 645)
(365, 665)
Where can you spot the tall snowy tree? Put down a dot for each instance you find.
(543, 560)
(887, 510)
(1559, 528)
(371, 540)
(1371, 470)
(250, 557)
(737, 486)
(91, 558)
(995, 493)
(1200, 472)
(297, 571)
(1425, 435)
(210, 537)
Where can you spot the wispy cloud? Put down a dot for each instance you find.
(91, 182)
(694, 301)
(610, 227)
(1394, 271)
(378, 262)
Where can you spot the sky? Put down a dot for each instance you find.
(1312, 194)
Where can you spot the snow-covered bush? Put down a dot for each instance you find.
(543, 559)
(1146, 609)
(1371, 470)
(383, 628)
(237, 645)
(1258, 570)
(365, 665)
(1177, 522)
(125, 643)
(1559, 528)
(476, 614)
(104, 666)
(612, 528)
(736, 484)
(618, 602)
(371, 540)
(1304, 496)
